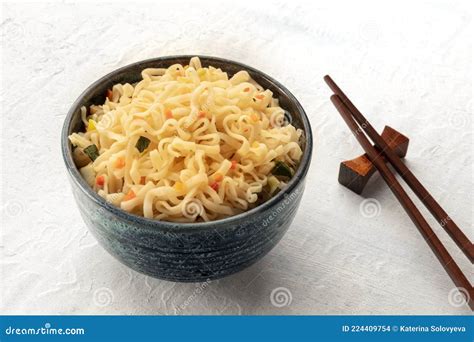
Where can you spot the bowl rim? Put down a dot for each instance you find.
(184, 226)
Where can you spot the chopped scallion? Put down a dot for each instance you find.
(142, 144)
(282, 169)
(92, 151)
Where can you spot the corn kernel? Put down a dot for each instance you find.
(91, 125)
(180, 187)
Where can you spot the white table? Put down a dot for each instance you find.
(408, 66)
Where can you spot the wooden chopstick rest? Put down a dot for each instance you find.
(355, 173)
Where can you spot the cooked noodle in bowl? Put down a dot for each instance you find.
(187, 143)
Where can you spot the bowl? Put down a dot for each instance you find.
(187, 252)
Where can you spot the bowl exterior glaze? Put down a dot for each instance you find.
(187, 252)
(189, 255)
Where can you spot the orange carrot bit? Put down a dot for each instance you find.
(100, 180)
(142, 180)
(218, 177)
(202, 114)
(254, 117)
(247, 89)
(119, 163)
(110, 94)
(260, 97)
(215, 186)
(129, 196)
(234, 165)
(168, 114)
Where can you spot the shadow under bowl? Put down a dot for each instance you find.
(186, 252)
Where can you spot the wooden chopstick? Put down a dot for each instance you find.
(437, 247)
(433, 206)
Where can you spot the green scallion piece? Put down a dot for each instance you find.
(282, 169)
(92, 152)
(142, 144)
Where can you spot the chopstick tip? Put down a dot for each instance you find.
(335, 99)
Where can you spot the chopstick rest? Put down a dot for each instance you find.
(355, 173)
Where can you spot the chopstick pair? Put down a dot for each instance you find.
(358, 124)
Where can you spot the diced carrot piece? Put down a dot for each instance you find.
(142, 180)
(218, 177)
(202, 114)
(247, 89)
(168, 114)
(100, 180)
(260, 97)
(215, 186)
(130, 195)
(110, 94)
(254, 117)
(120, 162)
(234, 164)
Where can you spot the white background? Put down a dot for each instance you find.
(405, 65)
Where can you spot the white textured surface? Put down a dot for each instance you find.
(408, 66)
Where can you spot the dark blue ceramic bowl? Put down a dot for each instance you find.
(187, 252)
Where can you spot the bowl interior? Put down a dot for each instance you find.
(95, 94)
